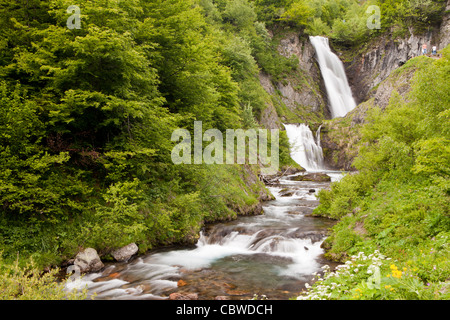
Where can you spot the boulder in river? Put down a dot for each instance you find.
(88, 261)
(125, 253)
(314, 236)
(315, 177)
(183, 296)
(286, 192)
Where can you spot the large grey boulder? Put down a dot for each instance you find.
(125, 253)
(88, 261)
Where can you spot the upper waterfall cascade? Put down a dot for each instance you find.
(339, 93)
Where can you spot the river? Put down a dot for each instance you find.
(271, 255)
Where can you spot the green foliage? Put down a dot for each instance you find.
(86, 117)
(374, 277)
(399, 200)
(345, 21)
(248, 118)
(270, 11)
(119, 221)
(432, 157)
(28, 283)
(352, 27)
(298, 13)
(285, 152)
(418, 14)
(239, 13)
(30, 182)
(317, 28)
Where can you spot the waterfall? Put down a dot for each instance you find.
(318, 135)
(333, 72)
(305, 149)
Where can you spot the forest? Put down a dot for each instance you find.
(87, 115)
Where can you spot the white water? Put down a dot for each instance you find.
(305, 149)
(152, 276)
(333, 72)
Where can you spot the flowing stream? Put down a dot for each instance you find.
(273, 254)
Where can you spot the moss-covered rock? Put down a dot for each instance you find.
(316, 177)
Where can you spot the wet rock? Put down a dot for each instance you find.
(287, 171)
(386, 54)
(316, 177)
(310, 203)
(301, 210)
(221, 298)
(293, 96)
(88, 261)
(286, 193)
(237, 292)
(262, 258)
(284, 172)
(125, 253)
(314, 236)
(181, 283)
(183, 296)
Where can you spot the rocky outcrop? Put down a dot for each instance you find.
(269, 117)
(125, 253)
(299, 96)
(386, 54)
(285, 171)
(310, 92)
(444, 33)
(88, 261)
(183, 296)
(380, 60)
(316, 177)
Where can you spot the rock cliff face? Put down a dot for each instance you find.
(445, 28)
(385, 54)
(373, 79)
(300, 97)
(310, 93)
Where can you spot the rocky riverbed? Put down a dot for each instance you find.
(271, 255)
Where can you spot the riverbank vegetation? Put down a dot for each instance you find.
(398, 203)
(86, 118)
